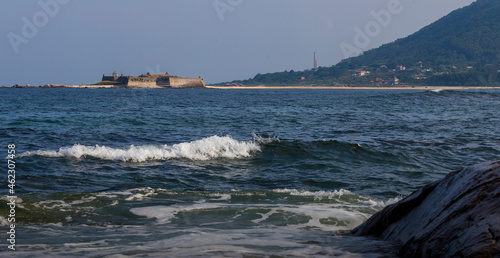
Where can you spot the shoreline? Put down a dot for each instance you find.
(359, 88)
(83, 86)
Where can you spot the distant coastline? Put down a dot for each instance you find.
(358, 87)
(93, 86)
(155, 81)
(62, 86)
(459, 49)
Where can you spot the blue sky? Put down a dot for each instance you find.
(76, 41)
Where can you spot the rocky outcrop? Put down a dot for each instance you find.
(458, 216)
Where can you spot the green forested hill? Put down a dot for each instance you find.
(462, 48)
(466, 37)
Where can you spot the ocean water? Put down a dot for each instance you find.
(228, 173)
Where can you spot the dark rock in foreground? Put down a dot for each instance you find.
(458, 216)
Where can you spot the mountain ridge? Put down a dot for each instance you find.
(460, 49)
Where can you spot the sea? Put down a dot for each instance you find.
(226, 173)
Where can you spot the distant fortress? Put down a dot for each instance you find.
(151, 81)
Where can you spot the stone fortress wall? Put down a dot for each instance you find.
(155, 81)
(182, 82)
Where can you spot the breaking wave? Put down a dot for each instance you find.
(205, 149)
(435, 90)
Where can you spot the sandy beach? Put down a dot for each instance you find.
(358, 88)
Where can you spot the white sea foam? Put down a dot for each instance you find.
(164, 214)
(379, 204)
(325, 216)
(83, 200)
(436, 90)
(318, 195)
(135, 194)
(18, 200)
(53, 204)
(259, 139)
(3, 221)
(320, 216)
(357, 200)
(220, 196)
(205, 149)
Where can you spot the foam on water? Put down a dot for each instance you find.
(320, 216)
(3, 221)
(318, 195)
(438, 90)
(132, 194)
(86, 204)
(203, 242)
(340, 215)
(205, 149)
(380, 204)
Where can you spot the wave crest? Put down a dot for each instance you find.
(205, 149)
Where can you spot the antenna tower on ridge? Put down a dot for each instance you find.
(315, 62)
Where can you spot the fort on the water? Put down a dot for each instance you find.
(152, 81)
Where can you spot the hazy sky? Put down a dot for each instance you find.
(76, 41)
